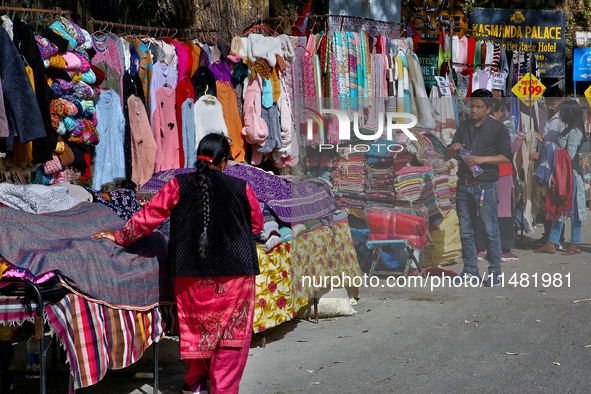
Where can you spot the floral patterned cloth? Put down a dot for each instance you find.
(280, 291)
(123, 201)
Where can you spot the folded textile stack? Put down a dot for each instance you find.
(380, 174)
(414, 186)
(63, 47)
(401, 160)
(380, 180)
(453, 179)
(320, 164)
(414, 183)
(441, 188)
(349, 174)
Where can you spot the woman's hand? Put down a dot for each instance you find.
(539, 137)
(104, 234)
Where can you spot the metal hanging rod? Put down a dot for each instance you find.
(111, 25)
(335, 18)
(56, 11)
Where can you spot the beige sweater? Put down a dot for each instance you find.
(143, 144)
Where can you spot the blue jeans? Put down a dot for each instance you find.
(575, 224)
(469, 212)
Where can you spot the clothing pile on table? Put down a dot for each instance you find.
(441, 187)
(349, 180)
(414, 186)
(47, 240)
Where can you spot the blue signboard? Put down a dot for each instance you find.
(582, 64)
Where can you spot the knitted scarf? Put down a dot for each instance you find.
(559, 200)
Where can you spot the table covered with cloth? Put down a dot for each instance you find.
(280, 292)
(131, 278)
(95, 337)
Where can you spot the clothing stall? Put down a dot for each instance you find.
(106, 102)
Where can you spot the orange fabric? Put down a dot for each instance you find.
(505, 169)
(23, 153)
(227, 98)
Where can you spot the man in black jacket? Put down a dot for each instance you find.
(476, 196)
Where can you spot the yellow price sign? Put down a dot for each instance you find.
(529, 89)
(588, 95)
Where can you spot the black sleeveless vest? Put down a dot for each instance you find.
(231, 250)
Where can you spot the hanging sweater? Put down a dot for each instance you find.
(227, 98)
(161, 73)
(188, 124)
(209, 118)
(143, 144)
(109, 162)
(184, 90)
(165, 130)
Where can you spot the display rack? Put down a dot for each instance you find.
(352, 23)
(110, 25)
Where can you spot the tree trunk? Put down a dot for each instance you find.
(229, 17)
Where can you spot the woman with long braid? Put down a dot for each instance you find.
(213, 258)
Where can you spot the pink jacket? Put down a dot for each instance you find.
(143, 144)
(255, 130)
(165, 130)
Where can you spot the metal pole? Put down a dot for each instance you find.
(155, 368)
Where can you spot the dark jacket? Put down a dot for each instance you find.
(24, 39)
(492, 140)
(231, 249)
(22, 110)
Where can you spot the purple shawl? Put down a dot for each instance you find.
(291, 202)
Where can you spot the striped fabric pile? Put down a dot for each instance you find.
(453, 180)
(441, 186)
(320, 165)
(414, 186)
(349, 180)
(349, 174)
(380, 174)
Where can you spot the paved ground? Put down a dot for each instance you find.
(512, 339)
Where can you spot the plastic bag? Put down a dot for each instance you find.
(446, 245)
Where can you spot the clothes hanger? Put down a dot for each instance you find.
(99, 31)
(209, 96)
(262, 27)
(314, 25)
(280, 25)
(306, 49)
(372, 28)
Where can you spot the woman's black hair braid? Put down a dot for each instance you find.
(216, 147)
(203, 182)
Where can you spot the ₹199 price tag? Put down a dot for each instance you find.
(529, 89)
